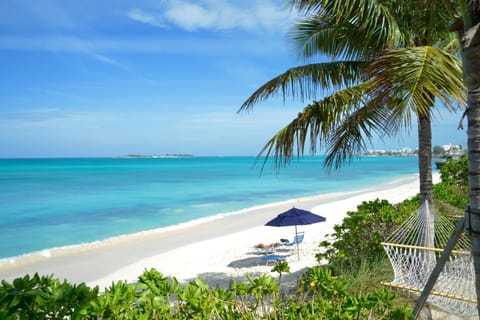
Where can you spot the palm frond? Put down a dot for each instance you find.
(450, 43)
(355, 132)
(431, 21)
(420, 76)
(324, 36)
(315, 124)
(348, 29)
(374, 18)
(307, 82)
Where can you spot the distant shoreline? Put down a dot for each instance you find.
(162, 156)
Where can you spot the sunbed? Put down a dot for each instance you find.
(273, 258)
(297, 239)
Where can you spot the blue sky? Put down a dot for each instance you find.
(113, 77)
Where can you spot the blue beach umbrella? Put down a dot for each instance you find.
(295, 217)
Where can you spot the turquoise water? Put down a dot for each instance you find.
(47, 203)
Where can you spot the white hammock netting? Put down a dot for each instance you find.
(413, 251)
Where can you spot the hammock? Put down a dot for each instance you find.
(413, 251)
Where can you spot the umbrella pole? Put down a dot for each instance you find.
(296, 238)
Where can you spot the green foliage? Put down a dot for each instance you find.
(117, 302)
(154, 294)
(368, 276)
(321, 295)
(359, 236)
(455, 195)
(454, 186)
(281, 267)
(455, 171)
(197, 301)
(44, 297)
(328, 298)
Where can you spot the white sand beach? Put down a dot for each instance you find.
(217, 250)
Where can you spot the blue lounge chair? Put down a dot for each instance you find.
(269, 250)
(297, 239)
(273, 258)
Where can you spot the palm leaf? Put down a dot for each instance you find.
(315, 124)
(357, 129)
(419, 76)
(374, 19)
(320, 35)
(306, 82)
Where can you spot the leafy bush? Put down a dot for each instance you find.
(453, 189)
(455, 171)
(330, 299)
(358, 238)
(44, 298)
(454, 195)
(320, 296)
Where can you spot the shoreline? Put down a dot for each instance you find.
(182, 250)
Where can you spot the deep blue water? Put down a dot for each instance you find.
(48, 203)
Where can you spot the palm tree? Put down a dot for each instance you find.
(390, 64)
(467, 26)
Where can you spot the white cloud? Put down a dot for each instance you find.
(192, 16)
(267, 15)
(141, 16)
(107, 60)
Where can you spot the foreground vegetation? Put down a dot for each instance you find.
(319, 296)
(344, 286)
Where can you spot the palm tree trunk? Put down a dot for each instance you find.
(425, 157)
(425, 211)
(470, 40)
(474, 181)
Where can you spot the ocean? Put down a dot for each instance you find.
(50, 203)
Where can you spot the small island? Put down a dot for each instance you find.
(175, 155)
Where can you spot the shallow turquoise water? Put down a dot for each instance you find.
(48, 203)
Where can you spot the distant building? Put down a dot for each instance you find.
(452, 150)
(446, 152)
(404, 152)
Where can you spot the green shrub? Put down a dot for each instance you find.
(453, 189)
(321, 295)
(455, 171)
(44, 297)
(329, 298)
(357, 240)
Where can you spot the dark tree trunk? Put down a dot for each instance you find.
(425, 157)
(470, 40)
(474, 182)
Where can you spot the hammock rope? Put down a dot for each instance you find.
(413, 251)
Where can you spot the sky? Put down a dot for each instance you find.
(115, 77)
